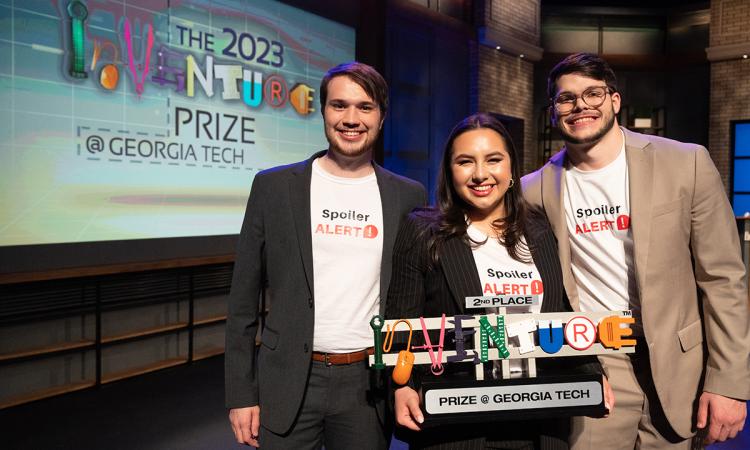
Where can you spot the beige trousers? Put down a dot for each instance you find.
(637, 421)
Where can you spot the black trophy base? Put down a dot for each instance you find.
(513, 399)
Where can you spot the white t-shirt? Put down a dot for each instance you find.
(502, 275)
(346, 219)
(597, 212)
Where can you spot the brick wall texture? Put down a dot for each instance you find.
(503, 83)
(729, 22)
(505, 86)
(519, 18)
(730, 80)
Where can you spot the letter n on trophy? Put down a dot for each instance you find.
(502, 362)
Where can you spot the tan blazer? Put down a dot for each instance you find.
(687, 264)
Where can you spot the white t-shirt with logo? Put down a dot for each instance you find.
(597, 212)
(502, 275)
(346, 219)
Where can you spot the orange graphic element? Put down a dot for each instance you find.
(405, 360)
(109, 77)
(611, 333)
(301, 99)
(404, 364)
(110, 74)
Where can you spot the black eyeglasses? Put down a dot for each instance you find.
(593, 97)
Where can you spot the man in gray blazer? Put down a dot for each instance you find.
(643, 223)
(316, 242)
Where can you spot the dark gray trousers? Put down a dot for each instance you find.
(335, 412)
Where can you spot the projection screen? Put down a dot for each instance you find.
(145, 120)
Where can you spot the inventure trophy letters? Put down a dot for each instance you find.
(491, 341)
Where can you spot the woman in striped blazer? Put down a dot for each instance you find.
(481, 239)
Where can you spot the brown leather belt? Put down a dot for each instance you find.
(338, 359)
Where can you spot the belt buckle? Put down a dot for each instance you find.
(326, 360)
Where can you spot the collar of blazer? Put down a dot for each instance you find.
(640, 158)
(299, 193)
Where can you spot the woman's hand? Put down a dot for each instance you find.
(406, 408)
(609, 396)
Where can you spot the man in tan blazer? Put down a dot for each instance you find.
(643, 223)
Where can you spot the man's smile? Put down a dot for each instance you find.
(350, 134)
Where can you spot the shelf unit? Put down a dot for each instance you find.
(143, 369)
(45, 393)
(549, 140)
(153, 331)
(210, 320)
(188, 302)
(56, 348)
(207, 354)
(655, 115)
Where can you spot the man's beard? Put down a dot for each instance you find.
(593, 139)
(348, 151)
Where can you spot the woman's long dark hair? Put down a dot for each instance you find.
(449, 220)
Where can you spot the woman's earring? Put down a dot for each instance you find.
(512, 182)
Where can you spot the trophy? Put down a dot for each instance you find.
(503, 339)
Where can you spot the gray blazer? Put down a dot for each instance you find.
(274, 259)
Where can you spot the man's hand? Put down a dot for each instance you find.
(724, 416)
(245, 424)
(406, 408)
(609, 396)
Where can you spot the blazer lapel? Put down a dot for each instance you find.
(640, 160)
(552, 198)
(460, 271)
(390, 202)
(299, 193)
(552, 295)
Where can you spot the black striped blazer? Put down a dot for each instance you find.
(419, 288)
